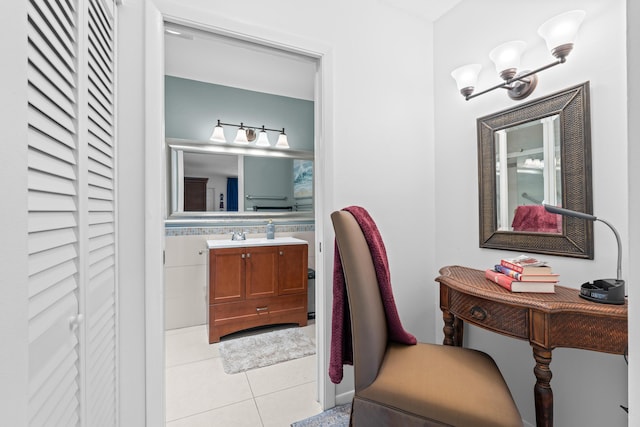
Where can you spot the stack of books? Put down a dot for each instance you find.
(523, 274)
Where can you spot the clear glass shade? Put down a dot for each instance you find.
(466, 76)
(562, 29)
(218, 135)
(507, 55)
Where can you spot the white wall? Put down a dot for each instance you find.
(633, 70)
(380, 63)
(379, 68)
(464, 35)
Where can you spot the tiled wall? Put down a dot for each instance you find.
(185, 266)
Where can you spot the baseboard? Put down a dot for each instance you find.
(343, 398)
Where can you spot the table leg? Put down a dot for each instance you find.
(542, 390)
(453, 329)
(448, 328)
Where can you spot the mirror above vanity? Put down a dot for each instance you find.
(269, 183)
(535, 152)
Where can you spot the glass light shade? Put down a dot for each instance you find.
(507, 55)
(561, 30)
(282, 140)
(263, 140)
(218, 135)
(241, 137)
(466, 76)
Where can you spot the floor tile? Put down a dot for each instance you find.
(282, 375)
(243, 414)
(287, 406)
(201, 386)
(189, 345)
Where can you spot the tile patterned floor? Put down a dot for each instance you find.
(200, 394)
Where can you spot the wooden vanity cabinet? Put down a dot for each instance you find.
(256, 286)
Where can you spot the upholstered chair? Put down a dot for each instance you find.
(411, 385)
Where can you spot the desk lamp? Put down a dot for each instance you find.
(605, 291)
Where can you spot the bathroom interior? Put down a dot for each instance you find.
(222, 195)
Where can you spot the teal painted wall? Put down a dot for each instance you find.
(192, 108)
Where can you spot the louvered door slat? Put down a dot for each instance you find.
(53, 214)
(41, 221)
(39, 181)
(100, 157)
(100, 169)
(54, 276)
(99, 132)
(101, 229)
(101, 118)
(45, 201)
(51, 165)
(54, 45)
(100, 181)
(47, 136)
(63, 29)
(100, 195)
(50, 110)
(96, 218)
(38, 53)
(44, 67)
(101, 241)
(57, 388)
(49, 90)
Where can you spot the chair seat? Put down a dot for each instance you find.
(436, 391)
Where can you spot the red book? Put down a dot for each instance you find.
(552, 277)
(514, 285)
(526, 265)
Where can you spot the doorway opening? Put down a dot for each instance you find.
(206, 57)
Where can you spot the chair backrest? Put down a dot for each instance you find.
(368, 320)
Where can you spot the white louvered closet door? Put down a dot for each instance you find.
(71, 218)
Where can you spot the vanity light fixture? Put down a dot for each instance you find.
(559, 33)
(242, 137)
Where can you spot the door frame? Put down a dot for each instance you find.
(155, 15)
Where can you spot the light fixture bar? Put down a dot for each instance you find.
(246, 126)
(559, 34)
(507, 84)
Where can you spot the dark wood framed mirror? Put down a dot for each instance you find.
(534, 152)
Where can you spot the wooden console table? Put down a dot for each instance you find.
(547, 321)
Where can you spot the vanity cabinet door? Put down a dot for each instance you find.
(261, 265)
(226, 275)
(292, 269)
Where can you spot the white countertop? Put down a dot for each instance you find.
(228, 243)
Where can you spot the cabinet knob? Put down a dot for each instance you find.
(200, 252)
(242, 256)
(248, 255)
(281, 253)
(261, 309)
(75, 321)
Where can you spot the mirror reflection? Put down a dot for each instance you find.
(528, 172)
(209, 179)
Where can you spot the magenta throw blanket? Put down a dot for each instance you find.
(341, 348)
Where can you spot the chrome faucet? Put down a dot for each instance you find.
(238, 235)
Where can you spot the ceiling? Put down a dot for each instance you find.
(204, 56)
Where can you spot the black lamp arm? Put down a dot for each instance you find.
(619, 270)
(588, 217)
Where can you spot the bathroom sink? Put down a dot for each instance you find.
(261, 241)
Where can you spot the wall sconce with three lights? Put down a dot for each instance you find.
(247, 134)
(559, 33)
